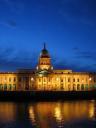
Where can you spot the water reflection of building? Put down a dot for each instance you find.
(47, 114)
(7, 112)
(44, 77)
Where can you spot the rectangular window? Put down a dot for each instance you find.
(44, 80)
(49, 79)
(39, 80)
(14, 79)
(68, 79)
(61, 80)
(19, 79)
(73, 80)
(9, 79)
(77, 80)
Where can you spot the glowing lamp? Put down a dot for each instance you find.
(90, 79)
(32, 79)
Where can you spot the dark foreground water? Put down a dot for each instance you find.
(68, 114)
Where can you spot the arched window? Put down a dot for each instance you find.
(78, 80)
(82, 87)
(74, 87)
(74, 80)
(5, 87)
(68, 79)
(61, 80)
(44, 80)
(86, 87)
(10, 87)
(39, 79)
(9, 79)
(62, 88)
(14, 79)
(78, 86)
(14, 86)
(69, 87)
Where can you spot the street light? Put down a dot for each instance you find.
(57, 79)
(32, 79)
(90, 79)
(52, 68)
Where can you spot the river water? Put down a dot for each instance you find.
(59, 114)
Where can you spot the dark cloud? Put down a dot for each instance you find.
(75, 49)
(81, 61)
(67, 64)
(88, 55)
(12, 23)
(75, 66)
(11, 59)
(9, 23)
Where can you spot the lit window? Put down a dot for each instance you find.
(77, 80)
(14, 79)
(39, 80)
(68, 79)
(5, 79)
(73, 80)
(78, 86)
(86, 80)
(49, 79)
(44, 80)
(61, 80)
(9, 79)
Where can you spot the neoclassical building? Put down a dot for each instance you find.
(45, 77)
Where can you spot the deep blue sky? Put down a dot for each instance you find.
(67, 26)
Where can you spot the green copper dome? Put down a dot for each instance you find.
(44, 52)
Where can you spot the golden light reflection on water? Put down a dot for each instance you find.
(47, 114)
(32, 114)
(61, 112)
(92, 110)
(57, 113)
(7, 112)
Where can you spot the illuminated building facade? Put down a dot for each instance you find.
(44, 77)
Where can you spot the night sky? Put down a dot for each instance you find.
(67, 26)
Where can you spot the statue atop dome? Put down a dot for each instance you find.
(44, 53)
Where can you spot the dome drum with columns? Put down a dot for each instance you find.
(44, 66)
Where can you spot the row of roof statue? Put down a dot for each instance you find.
(44, 77)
